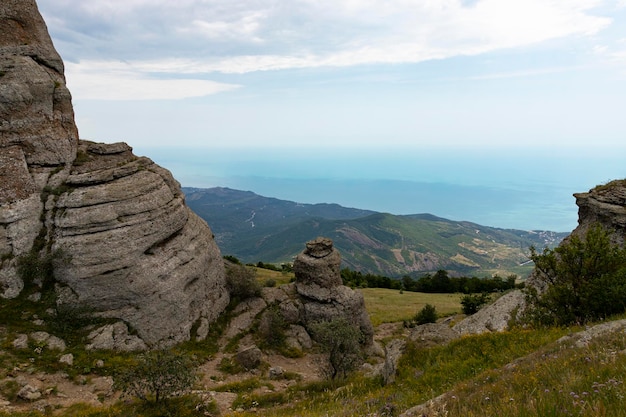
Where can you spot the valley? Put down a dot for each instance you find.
(255, 228)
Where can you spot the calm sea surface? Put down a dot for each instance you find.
(514, 189)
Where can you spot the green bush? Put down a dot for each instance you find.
(471, 303)
(158, 375)
(341, 341)
(241, 282)
(271, 330)
(428, 314)
(585, 280)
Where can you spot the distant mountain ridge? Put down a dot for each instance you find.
(255, 228)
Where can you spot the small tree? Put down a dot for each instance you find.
(158, 375)
(341, 341)
(428, 314)
(471, 303)
(585, 280)
(241, 282)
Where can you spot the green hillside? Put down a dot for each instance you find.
(255, 228)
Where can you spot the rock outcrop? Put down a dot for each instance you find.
(124, 243)
(323, 296)
(316, 295)
(604, 205)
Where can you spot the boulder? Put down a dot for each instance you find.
(124, 242)
(115, 337)
(494, 317)
(249, 358)
(393, 353)
(29, 393)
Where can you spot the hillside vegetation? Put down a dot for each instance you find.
(253, 228)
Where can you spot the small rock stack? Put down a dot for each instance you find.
(323, 296)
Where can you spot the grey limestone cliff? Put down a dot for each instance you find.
(125, 243)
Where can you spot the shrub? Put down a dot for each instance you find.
(471, 303)
(271, 331)
(230, 366)
(38, 269)
(241, 282)
(585, 279)
(341, 341)
(158, 375)
(428, 314)
(232, 259)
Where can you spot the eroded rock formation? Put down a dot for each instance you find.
(124, 242)
(323, 296)
(606, 205)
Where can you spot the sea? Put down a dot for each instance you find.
(517, 188)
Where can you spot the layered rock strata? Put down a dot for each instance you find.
(323, 296)
(124, 243)
(604, 205)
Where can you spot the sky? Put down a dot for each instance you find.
(510, 95)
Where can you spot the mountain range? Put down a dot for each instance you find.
(255, 228)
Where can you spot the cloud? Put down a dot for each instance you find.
(104, 81)
(224, 36)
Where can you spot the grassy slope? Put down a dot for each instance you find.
(512, 374)
(516, 373)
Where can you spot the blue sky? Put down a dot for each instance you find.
(395, 78)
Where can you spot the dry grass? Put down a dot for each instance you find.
(388, 306)
(263, 275)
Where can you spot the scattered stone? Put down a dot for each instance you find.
(249, 358)
(99, 363)
(20, 342)
(276, 372)
(51, 341)
(67, 359)
(35, 297)
(29, 393)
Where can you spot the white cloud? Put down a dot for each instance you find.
(207, 36)
(118, 81)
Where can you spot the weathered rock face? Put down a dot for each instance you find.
(606, 205)
(128, 246)
(35, 105)
(322, 295)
